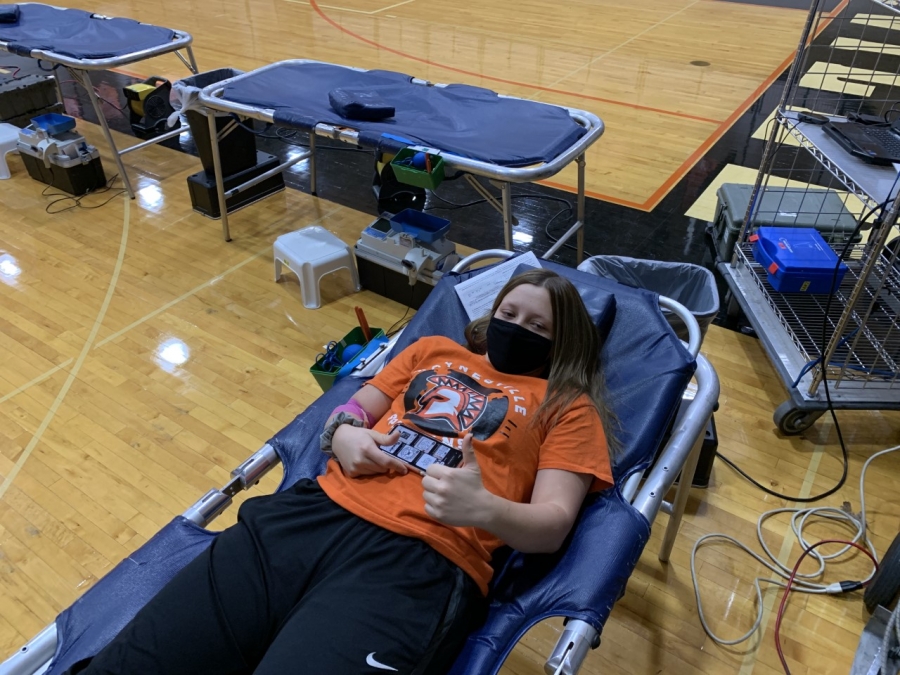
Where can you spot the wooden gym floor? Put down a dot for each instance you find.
(143, 358)
(632, 63)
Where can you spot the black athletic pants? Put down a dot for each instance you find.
(299, 585)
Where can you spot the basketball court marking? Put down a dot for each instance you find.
(677, 175)
(355, 11)
(98, 321)
(865, 46)
(157, 311)
(628, 41)
(878, 20)
(412, 57)
(40, 378)
(846, 80)
(793, 5)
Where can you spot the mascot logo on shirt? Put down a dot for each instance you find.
(454, 405)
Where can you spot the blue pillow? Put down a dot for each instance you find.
(599, 300)
(9, 13)
(358, 104)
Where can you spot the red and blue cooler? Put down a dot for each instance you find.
(797, 260)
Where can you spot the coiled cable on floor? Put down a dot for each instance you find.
(802, 583)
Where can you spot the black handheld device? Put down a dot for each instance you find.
(421, 451)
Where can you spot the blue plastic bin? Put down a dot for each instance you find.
(54, 123)
(421, 225)
(797, 260)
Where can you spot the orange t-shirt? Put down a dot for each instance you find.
(443, 390)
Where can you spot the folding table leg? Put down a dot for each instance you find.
(681, 495)
(506, 192)
(83, 77)
(194, 69)
(312, 163)
(578, 227)
(217, 167)
(580, 209)
(190, 61)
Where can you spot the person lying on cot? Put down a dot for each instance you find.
(374, 567)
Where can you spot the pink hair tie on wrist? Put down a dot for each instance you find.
(356, 410)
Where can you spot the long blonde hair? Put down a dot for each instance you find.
(574, 356)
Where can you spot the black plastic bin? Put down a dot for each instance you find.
(691, 285)
(237, 150)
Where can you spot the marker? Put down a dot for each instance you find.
(361, 317)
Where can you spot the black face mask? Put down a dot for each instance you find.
(515, 350)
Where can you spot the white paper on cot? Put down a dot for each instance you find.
(477, 294)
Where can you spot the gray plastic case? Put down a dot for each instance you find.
(820, 208)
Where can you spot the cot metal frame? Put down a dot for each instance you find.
(646, 493)
(80, 70)
(212, 97)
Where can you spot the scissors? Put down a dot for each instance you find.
(329, 359)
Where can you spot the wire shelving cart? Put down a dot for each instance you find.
(847, 68)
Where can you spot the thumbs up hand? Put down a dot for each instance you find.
(457, 496)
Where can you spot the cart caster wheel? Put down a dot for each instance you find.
(792, 421)
(885, 585)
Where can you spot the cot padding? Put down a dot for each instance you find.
(461, 119)
(582, 581)
(78, 34)
(645, 366)
(647, 373)
(93, 620)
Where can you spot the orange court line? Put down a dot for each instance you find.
(702, 149)
(679, 173)
(377, 45)
(590, 193)
(651, 202)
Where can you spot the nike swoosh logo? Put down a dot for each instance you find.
(370, 661)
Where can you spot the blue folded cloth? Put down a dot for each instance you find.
(9, 13)
(356, 104)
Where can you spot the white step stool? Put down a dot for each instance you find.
(311, 253)
(9, 141)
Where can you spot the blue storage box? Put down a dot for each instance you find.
(54, 123)
(797, 260)
(421, 225)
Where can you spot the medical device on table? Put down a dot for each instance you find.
(83, 41)
(55, 154)
(396, 252)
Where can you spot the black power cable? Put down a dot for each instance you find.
(76, 201)
(399, 324)
(845, 457)
(567, 208)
